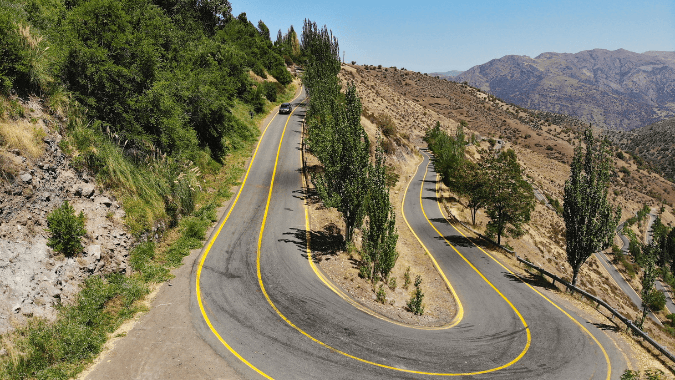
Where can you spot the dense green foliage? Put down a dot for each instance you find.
(65, 230)
(589, 218)
(156, 99)
(341, 144)
(494, 183)
(357, 188)
(153, 90)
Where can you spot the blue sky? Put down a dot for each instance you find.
(432, 36)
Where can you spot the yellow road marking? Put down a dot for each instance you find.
(282, 316)
(582, 327)
(212, 241)
(341, 294)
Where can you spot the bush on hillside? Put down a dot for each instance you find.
(65, 230)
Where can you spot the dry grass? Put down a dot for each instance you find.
(23, 136)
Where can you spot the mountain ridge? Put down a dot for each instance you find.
(616, 89)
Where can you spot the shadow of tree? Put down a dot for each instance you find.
(606, 327)
(457, 241)
(324, 244)
(532, 279)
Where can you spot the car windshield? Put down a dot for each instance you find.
(285, 105)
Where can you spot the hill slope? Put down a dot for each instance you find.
(654, 143)
(616, 89)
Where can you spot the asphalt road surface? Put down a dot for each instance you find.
(260, 304)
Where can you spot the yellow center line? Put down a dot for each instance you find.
(207, 249)
(582, 327)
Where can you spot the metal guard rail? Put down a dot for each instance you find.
(593, 298)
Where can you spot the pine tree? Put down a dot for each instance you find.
(589, 218)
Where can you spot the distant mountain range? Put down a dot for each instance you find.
(613, 89)
(447, 74)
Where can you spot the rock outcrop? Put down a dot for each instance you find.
(32, 277)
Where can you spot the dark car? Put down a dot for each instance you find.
(285, 108)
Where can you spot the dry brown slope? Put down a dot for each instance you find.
(416, 101)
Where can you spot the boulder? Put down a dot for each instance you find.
(26, 178)
(94, 251)
(83, 190)
(104, 201)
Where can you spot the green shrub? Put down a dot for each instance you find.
(65, 230)
(259, 70)
(364, 271)
(656, 300)
(392, 283)
(406, 278)
(381, 295)
(270, 91)
(415, 305)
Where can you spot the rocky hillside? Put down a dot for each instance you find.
(615, 89)
(654, 143)
(36, 177)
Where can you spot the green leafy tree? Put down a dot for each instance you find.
(341, 145)
(652, 299)
(475, 186)
(589, 218)
(511, 199)
(323, 64)
(464, 177)
(65, 230)
(379, 237)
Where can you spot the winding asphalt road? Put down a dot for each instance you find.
(263, 306)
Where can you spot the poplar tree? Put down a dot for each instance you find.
(341, 145)
(589, 218)
(379, 237)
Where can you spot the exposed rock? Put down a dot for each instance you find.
(94, 251)
(104, 201)
(83, 190)
(33, 277)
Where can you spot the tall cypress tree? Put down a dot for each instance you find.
(589, 218)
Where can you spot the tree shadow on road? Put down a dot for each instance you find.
(324, 244)
(532, 279)
(456, 241)
(605, 327)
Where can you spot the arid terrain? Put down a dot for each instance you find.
(544, 144)
(617, 89)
